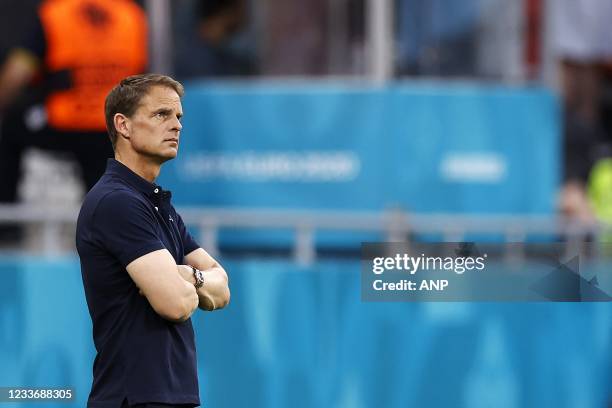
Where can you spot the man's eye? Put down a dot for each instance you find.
(160, 115)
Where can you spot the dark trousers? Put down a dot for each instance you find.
(155, 405)
(89, 149)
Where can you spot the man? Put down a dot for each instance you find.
(582, 46)
(54, 81)
(213, 39)
(143, 273)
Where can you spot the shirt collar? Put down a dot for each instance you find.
(120, 170)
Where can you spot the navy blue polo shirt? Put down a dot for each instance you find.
(140, 355)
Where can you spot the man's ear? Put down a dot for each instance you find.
(122, 125)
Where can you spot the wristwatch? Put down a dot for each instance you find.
(198, 275)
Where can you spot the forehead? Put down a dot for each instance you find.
(161, 97)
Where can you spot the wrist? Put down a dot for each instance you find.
(198, 277)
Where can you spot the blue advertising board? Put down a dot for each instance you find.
(421, 147)
(301, 337)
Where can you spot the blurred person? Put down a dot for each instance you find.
(582, 47)
(217, 43)
(507, 39)
(13, 22)
(471, 38)
(295, 38)
(437, 37)
(143, 273)
(53, 84)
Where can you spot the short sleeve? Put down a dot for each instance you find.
(189, 244)
(125, 227)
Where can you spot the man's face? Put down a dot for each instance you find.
(155, 127)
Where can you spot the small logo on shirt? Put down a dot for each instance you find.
(170, 218)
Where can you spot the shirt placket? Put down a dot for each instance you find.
(162, 204)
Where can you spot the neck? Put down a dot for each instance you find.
(145, 167)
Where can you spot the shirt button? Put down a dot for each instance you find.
(156, 190)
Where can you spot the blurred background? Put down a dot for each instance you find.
(311, 127)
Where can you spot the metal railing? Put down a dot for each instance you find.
(393, 225)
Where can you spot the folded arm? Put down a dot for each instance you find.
(159, 279)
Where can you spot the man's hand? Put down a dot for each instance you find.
(187, 273)
(215, 293)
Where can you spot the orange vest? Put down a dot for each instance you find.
(99, 42)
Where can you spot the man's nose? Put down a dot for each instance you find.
(177, 126)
